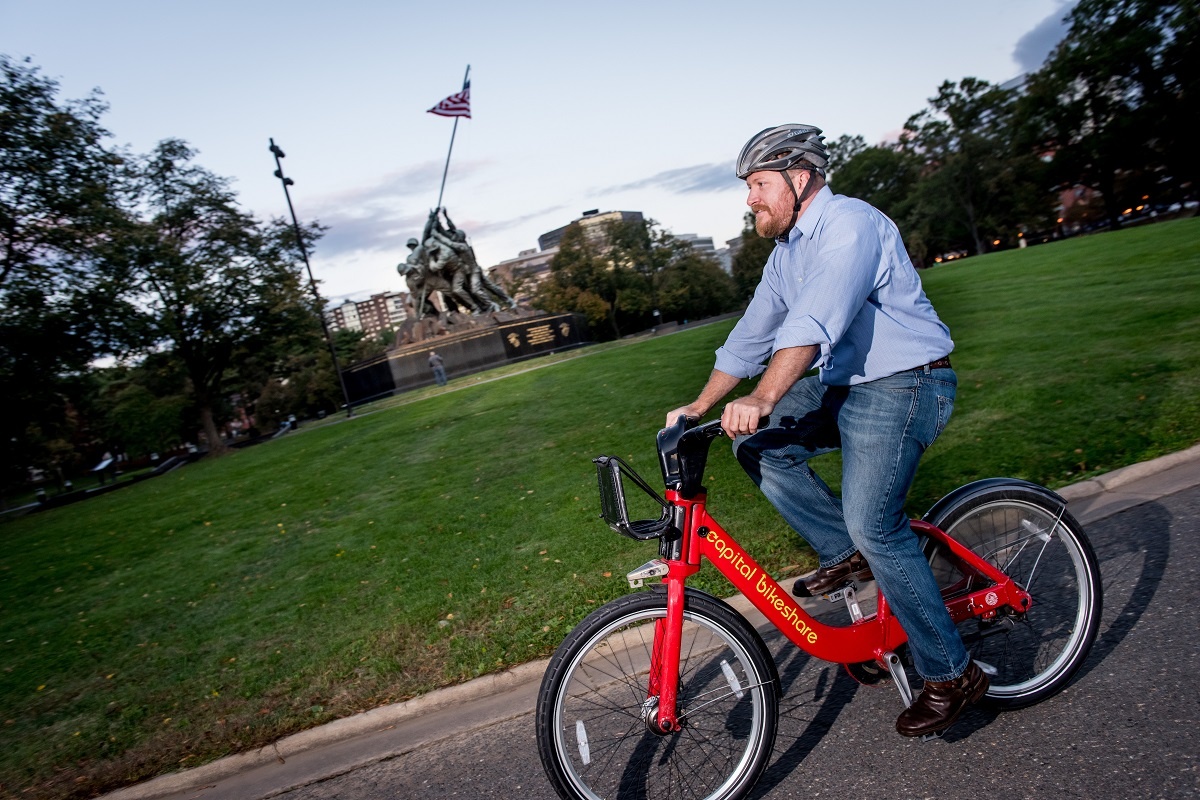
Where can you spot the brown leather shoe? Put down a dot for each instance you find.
(826, 579)
(940, 703)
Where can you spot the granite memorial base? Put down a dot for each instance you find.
(406, 368)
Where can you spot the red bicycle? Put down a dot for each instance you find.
(671, 693)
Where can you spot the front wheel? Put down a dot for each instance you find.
(1033, 539)
(593, 705)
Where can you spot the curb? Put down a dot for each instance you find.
(383, 717)
(1126, 475)
(339, 730)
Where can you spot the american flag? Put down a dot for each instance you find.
(456, 105)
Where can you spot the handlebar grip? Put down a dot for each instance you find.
(705, 432)
(713, 429)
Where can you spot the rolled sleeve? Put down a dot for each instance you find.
(802, 330)
(749, 345)
(732, 364)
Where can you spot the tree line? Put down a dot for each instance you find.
(136, 297)
(1109, 118)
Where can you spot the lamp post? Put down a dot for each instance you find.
(278, 153)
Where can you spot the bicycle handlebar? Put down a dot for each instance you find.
(709, 430)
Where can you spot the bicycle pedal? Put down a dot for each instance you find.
(841, 593)
(929, 737)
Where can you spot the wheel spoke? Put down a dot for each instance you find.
(728, 694)
(1044, 551)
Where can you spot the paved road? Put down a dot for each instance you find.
(1126, 728)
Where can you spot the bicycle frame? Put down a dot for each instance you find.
(868, 639)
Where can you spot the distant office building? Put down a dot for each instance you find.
(344, 317)
(382, 312)
(592, 222)
(704, 246)
(521, 276)
(734, 246)
(725, 260)
(701, 244)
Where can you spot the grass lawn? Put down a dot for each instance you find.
(455, 532)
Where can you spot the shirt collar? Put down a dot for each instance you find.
(807, 223)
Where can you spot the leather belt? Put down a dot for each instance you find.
(941, 363)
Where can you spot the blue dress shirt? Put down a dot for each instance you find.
(842, 281)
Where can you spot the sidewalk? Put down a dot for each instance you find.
(354, 742)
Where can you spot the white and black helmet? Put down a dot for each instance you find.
(782, 148)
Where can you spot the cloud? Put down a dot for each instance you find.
(382, 229)
(378, 229)
(380, 217)
(391, 187)
(685, 180)
(1031, 49)
(477, 228)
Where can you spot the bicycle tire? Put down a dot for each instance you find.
(1035, 541)
(591, 736)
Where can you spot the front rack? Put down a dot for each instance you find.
(615, 511)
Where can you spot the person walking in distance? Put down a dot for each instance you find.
(438, 367)
(840, 293)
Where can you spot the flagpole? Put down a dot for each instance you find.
(453, 131)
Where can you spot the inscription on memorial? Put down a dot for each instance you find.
(539, 334)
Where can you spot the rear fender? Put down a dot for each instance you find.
(988, 485)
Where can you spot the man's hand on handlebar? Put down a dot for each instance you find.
(683, 411)
(743, 416)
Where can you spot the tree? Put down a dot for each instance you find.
(57, 179)
(693, 286)
(620, 278)
(142, 408)
(202, 280)
(1115, 104)
(882, 176)
(842, 151)
(579, 282)
(975, 181)
(750, 258)
(58, 202)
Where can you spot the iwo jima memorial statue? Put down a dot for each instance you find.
(455, 309)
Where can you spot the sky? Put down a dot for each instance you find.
(631, 105)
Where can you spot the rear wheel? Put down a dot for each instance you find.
(1037, 543)
(592, 731)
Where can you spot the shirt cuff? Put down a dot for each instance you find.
(803, 332)
(736, 366)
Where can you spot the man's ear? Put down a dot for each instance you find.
(801, 178)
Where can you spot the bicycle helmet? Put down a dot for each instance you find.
(782, 148)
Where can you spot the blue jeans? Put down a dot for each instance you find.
(882, 428)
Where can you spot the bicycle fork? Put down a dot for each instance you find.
(660, 711)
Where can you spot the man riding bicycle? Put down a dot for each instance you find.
(839, 292)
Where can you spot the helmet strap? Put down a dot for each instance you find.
(800, 198)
